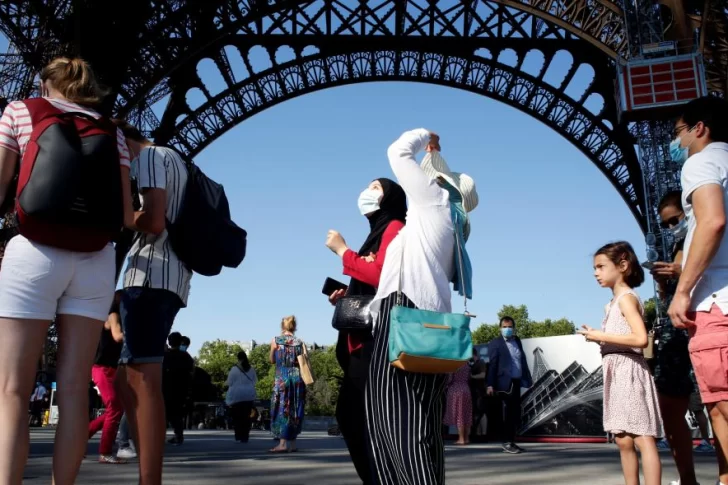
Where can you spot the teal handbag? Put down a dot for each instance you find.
(426, 341)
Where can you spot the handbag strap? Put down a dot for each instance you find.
(244, 373)
(461, 272)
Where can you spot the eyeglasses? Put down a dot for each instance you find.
(678, 130)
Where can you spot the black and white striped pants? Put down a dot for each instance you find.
(404, 415)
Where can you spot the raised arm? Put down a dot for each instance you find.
(420, 189)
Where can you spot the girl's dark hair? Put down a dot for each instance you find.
(622, 251)
(671, 199)
(244, 362)
(712, 111)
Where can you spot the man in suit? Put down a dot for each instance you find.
(507, 374)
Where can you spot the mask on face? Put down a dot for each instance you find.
(680, 229)
(369, 201)
(507, 332)
(183, 348)
(678, 153)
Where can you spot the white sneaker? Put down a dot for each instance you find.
(126, 453)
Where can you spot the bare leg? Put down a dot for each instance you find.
(718, 412)
(651, 466)
(140, 386)
(628, 455)
(462, 435)
(78, 341)
(282, 445)
(21, 345)
(678, 435)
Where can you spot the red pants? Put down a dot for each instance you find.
(104, 377)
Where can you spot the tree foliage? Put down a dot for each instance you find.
(217, 358)
(259, 359)
(321, 397)
(525, 327)
(650, 312)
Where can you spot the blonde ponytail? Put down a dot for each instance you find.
(75, 80)
(288, 324)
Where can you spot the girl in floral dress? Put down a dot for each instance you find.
(289, 390)
(631, 411)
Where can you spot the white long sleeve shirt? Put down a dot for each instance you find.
(428, 237)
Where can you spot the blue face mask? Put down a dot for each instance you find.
(507, 332)
(369, 201)
(183, 348)
(680, 229)
(678, 153)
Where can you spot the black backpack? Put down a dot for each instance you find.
(204, 237)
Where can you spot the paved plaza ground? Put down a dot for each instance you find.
(212, 457)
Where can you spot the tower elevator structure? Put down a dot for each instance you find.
(663, 71)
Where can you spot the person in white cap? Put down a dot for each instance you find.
(405, 409)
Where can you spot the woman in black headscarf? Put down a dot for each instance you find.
(384, 204)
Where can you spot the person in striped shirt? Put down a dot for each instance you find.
(39, 283)
(156, 286)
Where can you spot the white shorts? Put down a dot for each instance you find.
(37, 282)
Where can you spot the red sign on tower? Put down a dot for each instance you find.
(661, 82)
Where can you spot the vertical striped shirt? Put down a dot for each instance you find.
(152, 262)
(16, 127)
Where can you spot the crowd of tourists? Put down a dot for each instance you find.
(400, 344)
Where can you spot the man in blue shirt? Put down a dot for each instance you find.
(507, 374)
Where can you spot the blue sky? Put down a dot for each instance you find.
(295, 171)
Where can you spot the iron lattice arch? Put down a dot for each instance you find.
(178, 33)
(191, 129)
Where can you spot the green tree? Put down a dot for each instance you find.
(259, 359)
(650, 312)
(217, 358)
(485, 333)
(525, 327)
(321, 397)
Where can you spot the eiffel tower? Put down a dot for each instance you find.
(540, 366)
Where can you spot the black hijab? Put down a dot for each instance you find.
(392, 207)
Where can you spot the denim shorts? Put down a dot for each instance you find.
(147, 315)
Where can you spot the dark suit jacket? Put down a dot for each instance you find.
(499, 365)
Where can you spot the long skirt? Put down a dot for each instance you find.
(404, 415)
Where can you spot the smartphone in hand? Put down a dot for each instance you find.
(648, 265)
(331, 285)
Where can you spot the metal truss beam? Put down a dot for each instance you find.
(178, 35)
(446, 63)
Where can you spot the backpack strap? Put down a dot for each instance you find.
(40, 109)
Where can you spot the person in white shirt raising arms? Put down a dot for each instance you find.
(701, 298)
(405, 409)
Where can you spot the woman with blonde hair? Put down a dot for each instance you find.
(289, 390)
(42, 278)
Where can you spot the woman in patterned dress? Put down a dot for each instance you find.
(460, 404)
(631, 410)
(289, 390)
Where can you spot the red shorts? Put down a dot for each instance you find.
(709, 354)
